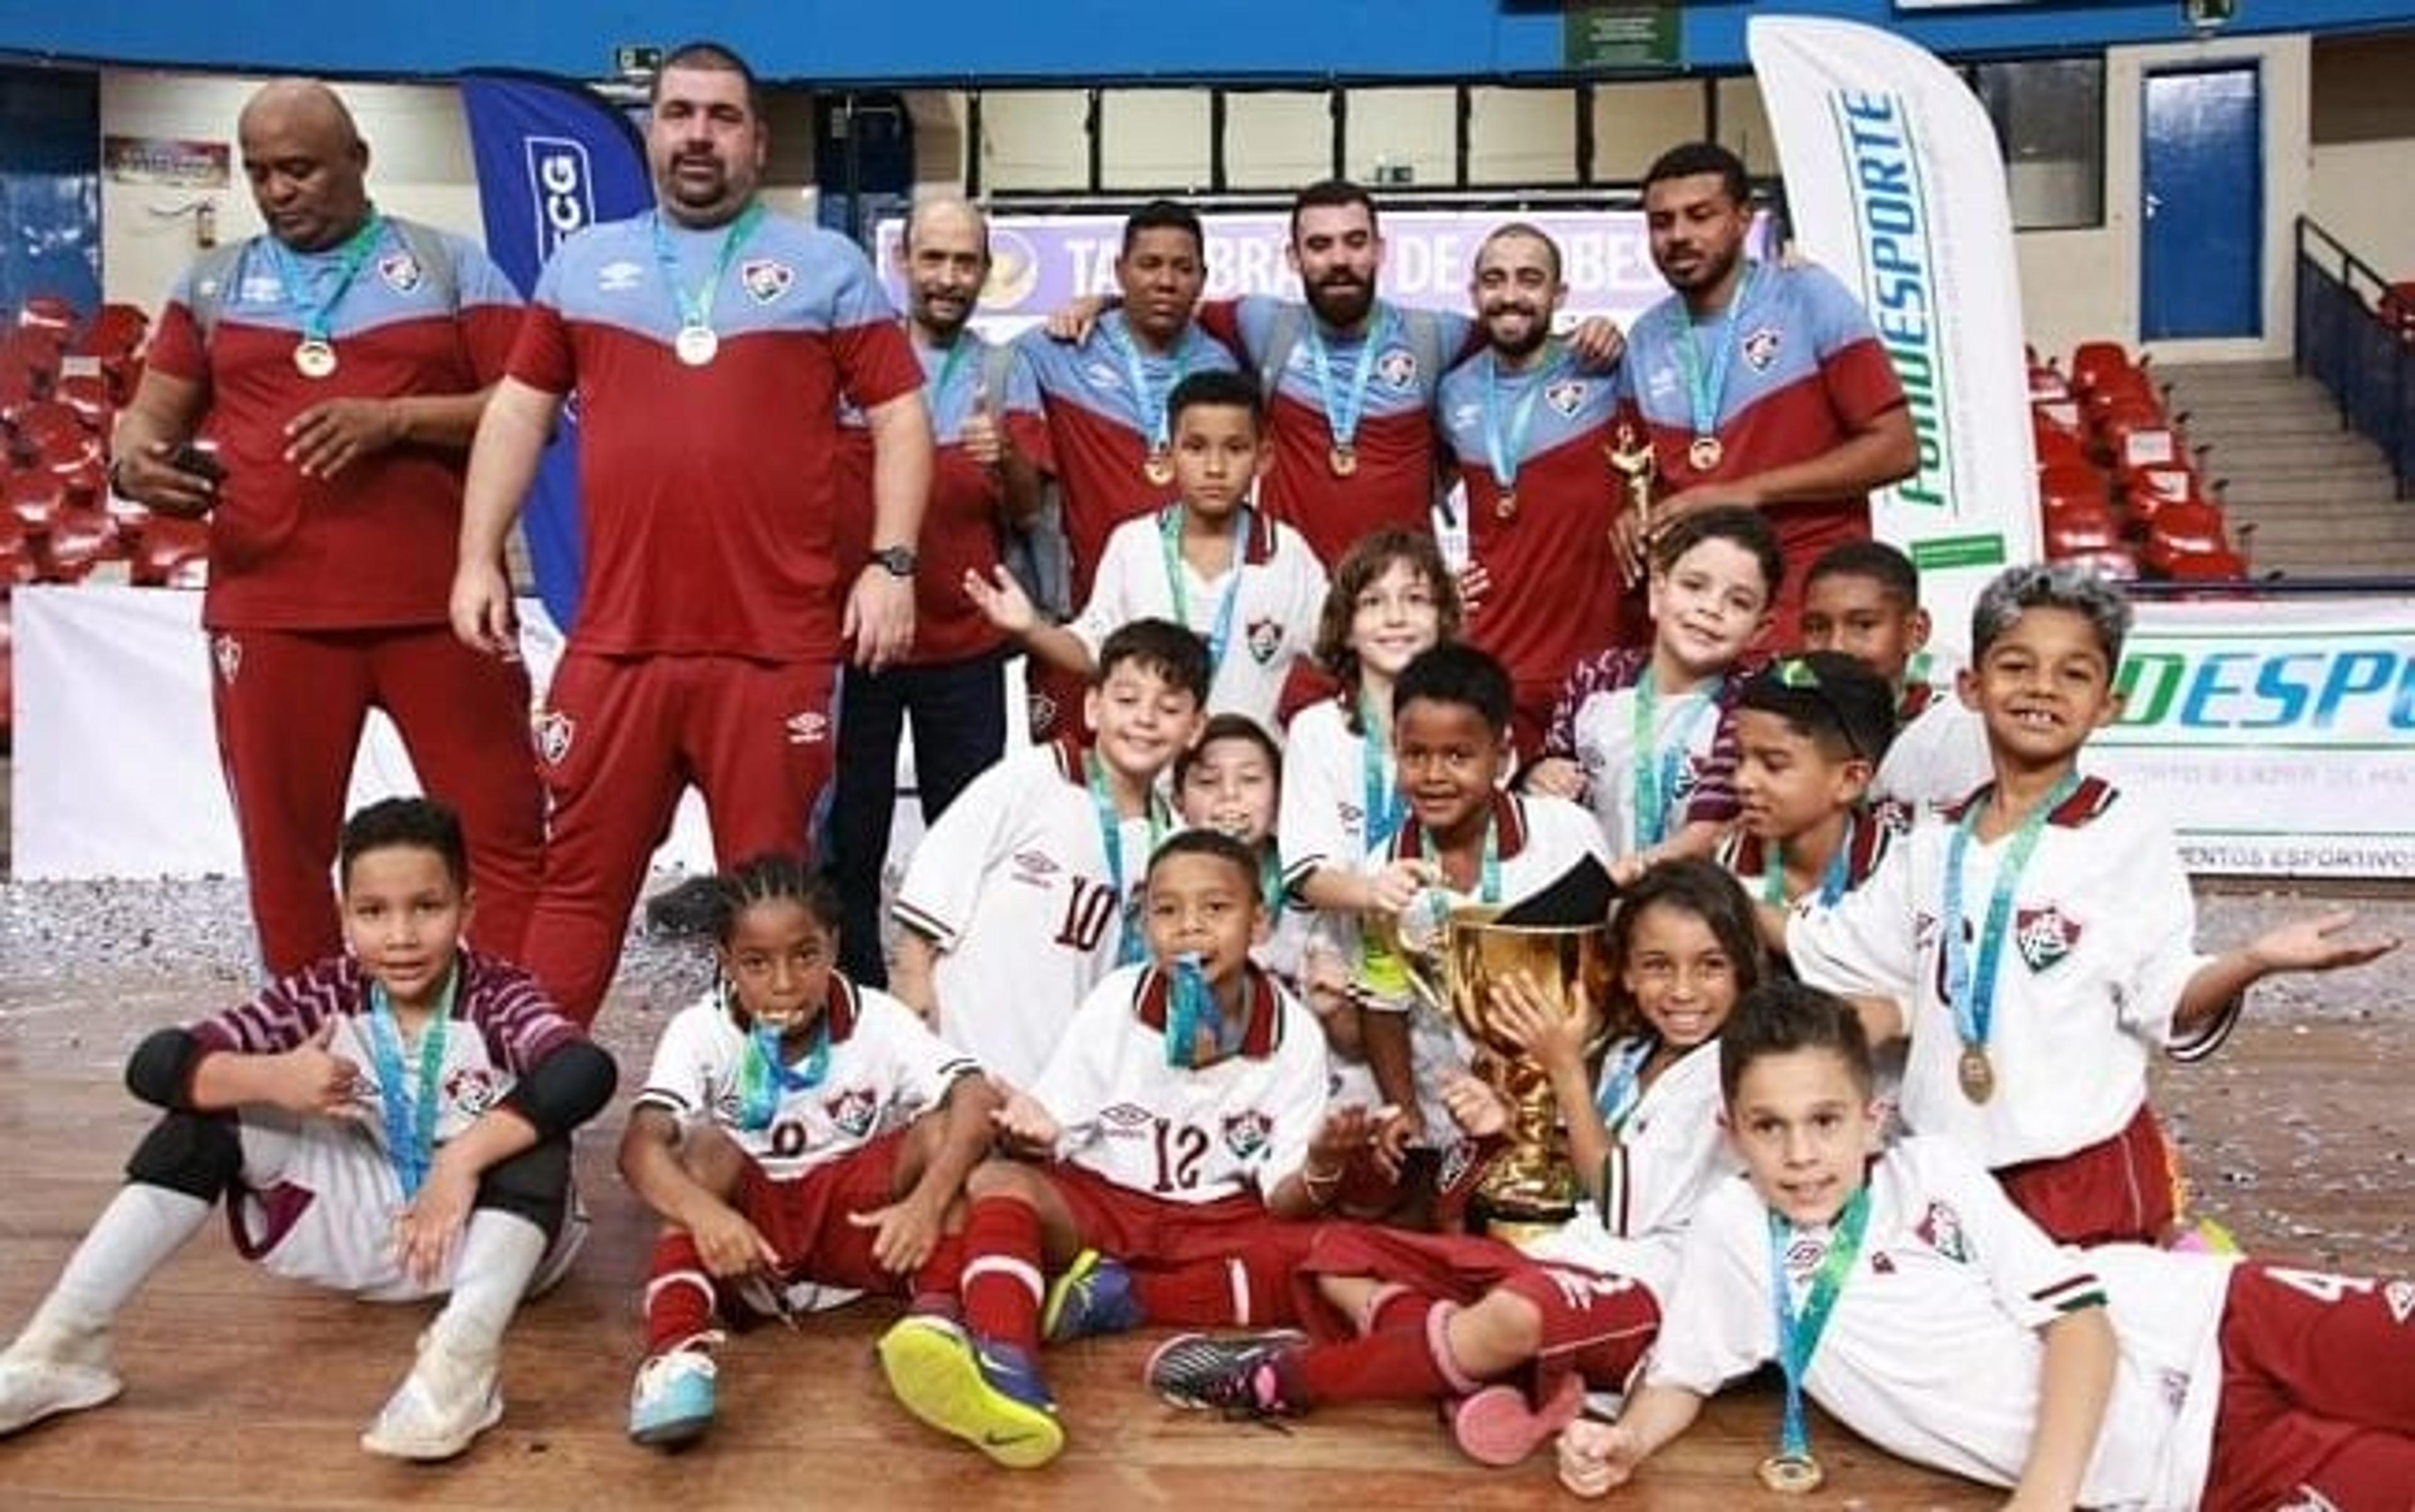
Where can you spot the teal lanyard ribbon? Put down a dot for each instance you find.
(1149, 398)
(1834, 879)
(695, 306)
(1798, 1333)
(1707, 382)
(1192, 1008)
(1621, 1091)
(1971, 998)
(409, 1112)
(1505, 449)
(1387, 806)
(954, 359)
(1488, 876)
(1657, 766)
(319, 320)
(764, 1075)
(1219, 635)
(1129, 943)
(1270, 881)
(1343, 418)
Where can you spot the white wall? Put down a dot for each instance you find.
(419, 167)
(2362, 190)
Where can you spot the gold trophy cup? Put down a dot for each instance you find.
(1529, 1187)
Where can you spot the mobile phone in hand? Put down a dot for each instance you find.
(199, 460)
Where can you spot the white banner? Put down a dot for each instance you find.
(2279, 734)
(1895, 181)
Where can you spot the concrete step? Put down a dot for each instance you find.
(2293, 453)
(2254, 416)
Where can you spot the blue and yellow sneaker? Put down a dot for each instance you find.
(987, 1393)
(1093, 1296)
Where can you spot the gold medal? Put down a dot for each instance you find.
(1506, 508)
(1792, 1474)
(1159, 469)
(1978, 1077)
(1342, 458)
(314, 357)
(696, 345)
(1705, 454)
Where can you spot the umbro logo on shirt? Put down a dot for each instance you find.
(619, 277)
(1127, 1118)
(807, 728)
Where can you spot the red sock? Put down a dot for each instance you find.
(1003, 1286)
(679, 1294)
(1393, 1365)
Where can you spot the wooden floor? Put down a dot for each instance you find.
(244, 1391)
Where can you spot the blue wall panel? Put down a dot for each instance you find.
(1076, 40)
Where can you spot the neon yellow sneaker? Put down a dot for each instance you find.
(986, 1393)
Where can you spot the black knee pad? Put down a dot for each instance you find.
(160, 1070)
(534, 1185)
(199, 1154)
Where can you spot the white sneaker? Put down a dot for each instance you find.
(447, 1401)
(34, 1387)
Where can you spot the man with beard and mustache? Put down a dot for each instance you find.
(1757, 383)
(986, 415)
(1529, 422)
(1104, 388)
(337, 364)
(709, 345)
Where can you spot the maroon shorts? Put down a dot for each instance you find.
(2318, 1403)
(1595, 1322)
(1144, 1231)
(2117, 1190)
(805, 1216)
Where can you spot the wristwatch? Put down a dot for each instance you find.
(896, 561)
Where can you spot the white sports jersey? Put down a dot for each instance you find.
(1323, 817)
(1940, 753)
(1176, 1133)
(1274, 615)
(1667, 1158)
(1932, 1350)
(885, 1069)
(1539, 839)
(1693, 732)
(2098, 953)
(1012, 884)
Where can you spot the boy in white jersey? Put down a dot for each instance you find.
(1467, 840)
(804, 1139)
(1810, 730)
(1644, 737)
(1183, 1114)
(1907, 1296)
(2035, 943)
(1863, 599)
(1026, 891)
(1212, 561)
(393, 1122)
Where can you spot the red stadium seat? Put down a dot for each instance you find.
(164, 553)
(116, 330)
(87, 394)
(78, 541)
(2094, 363)
(48, 312)
(35, 498)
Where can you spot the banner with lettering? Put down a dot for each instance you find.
(553, 157)
(1893, 181)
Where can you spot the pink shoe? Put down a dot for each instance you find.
(1497, 1426)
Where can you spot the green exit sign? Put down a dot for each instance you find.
(1622, 35)
(632, 62)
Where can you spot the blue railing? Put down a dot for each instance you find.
(2357, 337)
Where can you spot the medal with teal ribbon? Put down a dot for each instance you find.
(1344, 408)
(314, 355)
(697, 341)
(1220, 632)
(1657, 766)
(409, 1112)
(1707, 381)
(1505, 446)
(1971, 995)
(1792, 1470)
(1131, 942)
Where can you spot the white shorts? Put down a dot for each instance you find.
(318, 1201)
